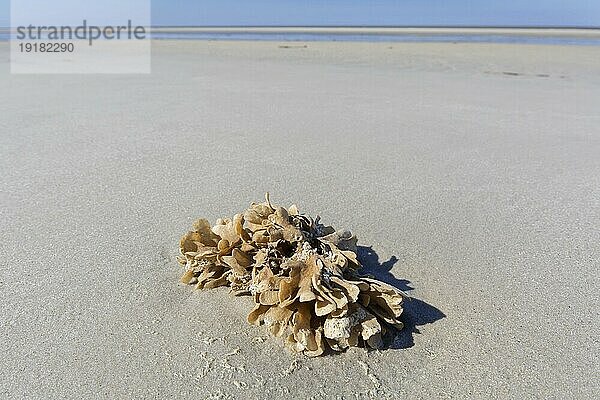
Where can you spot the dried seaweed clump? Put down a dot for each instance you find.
(302, 275)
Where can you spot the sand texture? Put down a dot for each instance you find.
(470, 174)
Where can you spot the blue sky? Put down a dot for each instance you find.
(368, 12)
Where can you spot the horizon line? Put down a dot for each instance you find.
(380, 26)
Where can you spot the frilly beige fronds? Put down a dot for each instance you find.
(302, 275)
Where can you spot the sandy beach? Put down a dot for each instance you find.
(469, 172)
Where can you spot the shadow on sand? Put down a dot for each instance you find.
(416, 312)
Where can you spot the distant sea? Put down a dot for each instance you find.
(316, 37)
(285, 35)
(458, 37)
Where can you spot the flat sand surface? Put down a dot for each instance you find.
(471, 170)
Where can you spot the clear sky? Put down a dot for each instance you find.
(368, 12)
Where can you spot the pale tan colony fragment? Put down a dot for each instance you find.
(302, 275)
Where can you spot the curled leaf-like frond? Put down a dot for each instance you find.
(301, 274)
